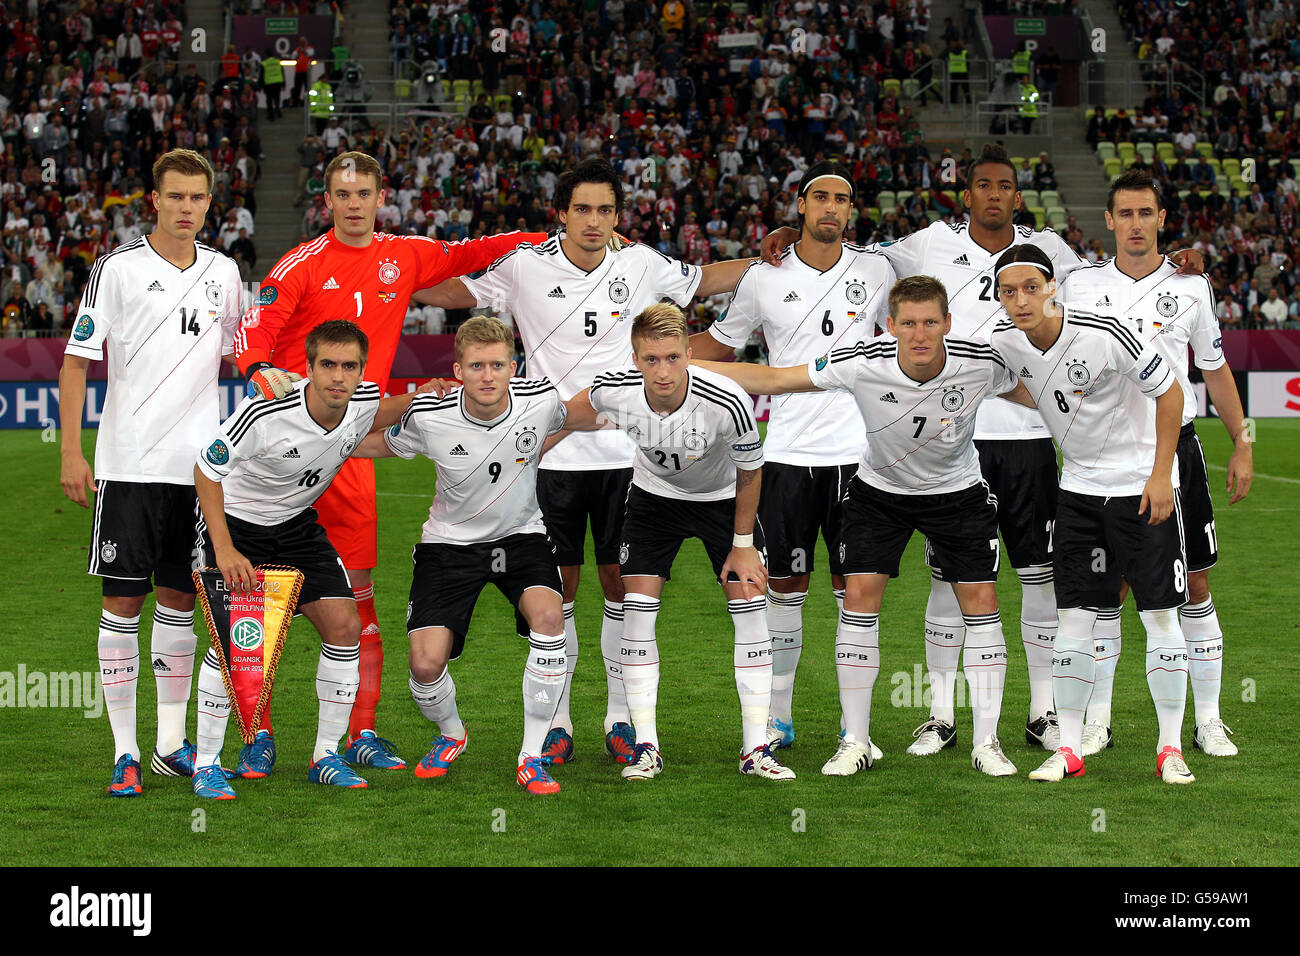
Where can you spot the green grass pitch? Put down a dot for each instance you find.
(936, 811)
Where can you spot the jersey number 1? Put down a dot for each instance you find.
(358, 297)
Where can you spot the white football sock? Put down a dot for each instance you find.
(437, 701)
(1073, 671)
(752, 660)
(1038, 632)
(562, 719)
(785, 626)
(338, 675)
(544, 682)
(640, 653)
(1200, 623)
(1166, 674)
(119, 671)
(839, 609)
(944, 633)
(1106, 641)
(212, 712)
(611, 644)
(857, 663)
(984, 660)
(172, 648)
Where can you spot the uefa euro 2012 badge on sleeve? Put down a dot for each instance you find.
(218, 453)
(84, 328)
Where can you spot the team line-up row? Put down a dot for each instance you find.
(998, 340)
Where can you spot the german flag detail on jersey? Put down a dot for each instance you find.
(248, 630)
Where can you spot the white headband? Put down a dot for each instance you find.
(1011, 265)
(828, 176)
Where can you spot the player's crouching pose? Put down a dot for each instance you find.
(256, 482)
(698, 473)
(1093, 379)
(920, 472)
(484, 527)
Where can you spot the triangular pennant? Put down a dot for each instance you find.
(248, 630)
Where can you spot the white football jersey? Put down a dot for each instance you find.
(165, 330)
(804, 313)
(273, 460)
(487, 471)
(965, 268)
(693, 452)
(920, 435)
(1094, 387)
(577, 324)
(1171, 311)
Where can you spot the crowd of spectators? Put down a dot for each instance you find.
(1243, 55)
(91, 92)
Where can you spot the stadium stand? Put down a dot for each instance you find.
(90, 94)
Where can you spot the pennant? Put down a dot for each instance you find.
(248, 630)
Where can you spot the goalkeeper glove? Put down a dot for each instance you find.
(267, 381)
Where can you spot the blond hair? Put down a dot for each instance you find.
(662, 320)
(918, 289)
(354, 164)
(183, 161)
(483, 330)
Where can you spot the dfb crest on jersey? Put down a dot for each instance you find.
(213, 291)
(526, 440)
(856, 292)
(695, 442)
(108, 552)
(349, 443)
(85, 328)
(953, 399)
(619, 292)
(633, 432)
(1166, 306)
(388, 272)
(1077, 372)
(218, 453)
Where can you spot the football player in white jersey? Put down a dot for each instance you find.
(698, 473)
(573, 300)
(917, 394)
(163, 309)
(826, 294)
(1173, 312)
(256, 482)
(484, 527)
(1093, 379)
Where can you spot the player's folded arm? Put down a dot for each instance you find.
(448, 294)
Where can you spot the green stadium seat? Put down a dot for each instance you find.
(1231, 167)
(1205, 149)
(886, 200)
(1147, 151)
(1214, 165)
(873, 214)
(1029, 197)
(1050, 198)
(1105, 151)
(933, 215)
(892, 86)
(1057, 218)
(911, 88)
(1113, 167)
(1039, 214)
(1165, 150)
(1112, 112)
(1017, 160)
(1184, 193)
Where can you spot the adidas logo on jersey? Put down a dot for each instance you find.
(460, 451)
(155, 286)
(792, 297)
(889, 397)
(556, 293)
(961, 260)
(1104, 300)
(329, 284)
(1024, 372)
(291, 453)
